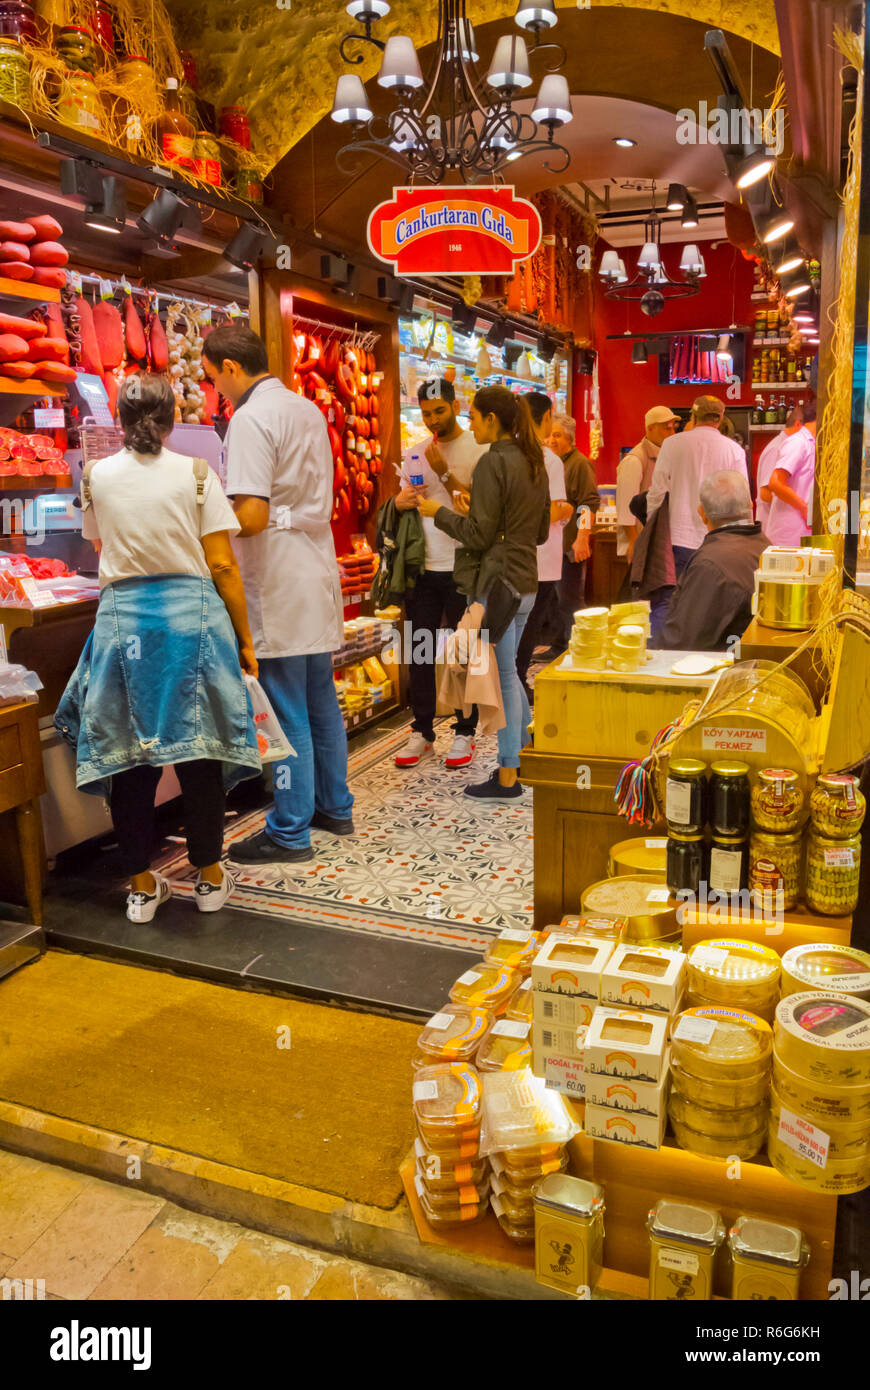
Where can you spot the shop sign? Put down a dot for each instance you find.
(464, 230)
(716, 739)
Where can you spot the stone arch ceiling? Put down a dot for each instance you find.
(281, 63)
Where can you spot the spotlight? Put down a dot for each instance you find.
(546, 349)
(797, 283)
(639, 354)
(690, 213)
(396, 292)
(723, 348)
(337, 272)
(774, 226)
(163, 216)
(678, 197)
(464, 317)
(624, 142)
(246, 247)
(789, 258)
(497, 335)
(751, 166)
(110, 213)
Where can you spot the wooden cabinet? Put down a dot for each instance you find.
(607, 570)
(22, 782)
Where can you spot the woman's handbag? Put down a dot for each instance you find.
(272, 742)
(502, 605)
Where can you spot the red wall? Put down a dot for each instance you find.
(627, 391)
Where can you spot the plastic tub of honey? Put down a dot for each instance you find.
(825, 1037)
(844, 1140)
(720, 1094)
(521, 1005)
(523, 1178)
(838, 969)
(453, 1034)
(720, 1044)
(766, 1259)
(518, 1209)
(837, 1178)
(820, 1101)
(519, 1234)
(457, 1215)
(609, 928)
(442, 1174)
(684, 1238)
(514, 949)
(506, 1047)
(487, 987)
(718, 1124)
(532, 1156)
(642, 901)
(447, 1100)
(446, 1200)
(712, 1146)
(638, 856)
(450, 1147)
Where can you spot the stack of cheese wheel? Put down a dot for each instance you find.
(451, 1179)
(720, 1081)
(734, 974)
(588, 641)
(835, 969)
(819, 1133)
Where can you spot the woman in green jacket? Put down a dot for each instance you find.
(508, 518)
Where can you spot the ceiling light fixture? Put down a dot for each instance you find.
(651, 285)
(678, 197)
(690, 214)
(163, 216)
(639, 354)
(790, 258)
(723, 348)
(453, 122)
(751, 165)
(800, 286)
(624, 142)
(109, 214)
(246, 247)
(774, 226)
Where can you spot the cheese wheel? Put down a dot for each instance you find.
(739, 974)
(845, 1141)
(739, 1046)
(839, 1176)
(719, 1094)
(735, 1146)
(841, 969)
(821, 1102)
(717, 1124)
(824, 1037)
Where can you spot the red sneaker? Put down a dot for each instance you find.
(461, 751)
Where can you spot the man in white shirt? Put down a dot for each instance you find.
(791, 485)
(634, 474)
(683, 463)
(438, 469)
(550, 553)
(767, 462)
(279, 477)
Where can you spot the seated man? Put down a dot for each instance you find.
(712, 600)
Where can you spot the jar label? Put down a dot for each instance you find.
(839, 858)
(656, 844)
(209, 170)
(678, 802)
(658, 895)
(765, 874)
(709, 957)
(512, 934)
(699, 1030)
(469, 978)
(510, 1028)
(683, 1260)
(734, 739)
(439, 1022)
(803, 1138)
(425, 1090)
(177, 149)
(725, 870)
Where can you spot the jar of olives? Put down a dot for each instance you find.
(777, 800)
(837, 806)
(775, 870)
(833, 874)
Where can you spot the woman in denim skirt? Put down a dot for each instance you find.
(160, 678)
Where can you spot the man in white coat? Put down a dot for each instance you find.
(279, 477)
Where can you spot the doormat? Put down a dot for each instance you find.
(426, 863)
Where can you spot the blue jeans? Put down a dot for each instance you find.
(682, 556)
(302, 692)
(516, 706)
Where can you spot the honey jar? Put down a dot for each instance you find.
(684, 1239)
(569, 1233)
(767, 1259)
(837, 806)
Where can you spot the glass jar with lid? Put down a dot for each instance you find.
(17, 20)
(684, 1238)
(77, 49)
(729, 863)
(686, 795)
(135, 74)
(833, 874)
(686, 858)
(729, 797)
(775, 870)
(102, 28)
(837, 805)
(78, 103)
(51, 16)
(777, 801)
(14, 73)
(766, 1259)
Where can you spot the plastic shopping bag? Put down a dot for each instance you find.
(272, 742)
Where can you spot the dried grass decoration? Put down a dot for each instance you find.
(123, 103)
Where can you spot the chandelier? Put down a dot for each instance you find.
(452, 124)
(651, 284)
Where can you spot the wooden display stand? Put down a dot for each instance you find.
(22, 782)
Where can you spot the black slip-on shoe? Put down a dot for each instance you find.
(262, 849)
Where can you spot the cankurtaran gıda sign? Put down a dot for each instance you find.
(465, 230)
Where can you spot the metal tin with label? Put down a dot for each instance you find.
(683, 1241)
(569, 1233)
(767, 1259)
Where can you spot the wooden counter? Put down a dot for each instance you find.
(22, 782)
(49, 641)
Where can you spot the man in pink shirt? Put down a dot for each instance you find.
(768, 459)
(791, 485)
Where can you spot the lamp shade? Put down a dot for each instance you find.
(690, 262)
(400, 66)
(754, 164)
(609, 268)
(622, 277)
(367, 9)
(723, 347)
(554, 101)
(801, 285)
(510, 64)
(649, 256)
(466, 47)
(774, 226)
(540, 14)
(702, 273)
(351, 102)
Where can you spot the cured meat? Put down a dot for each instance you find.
(54, 371)
(13, 348)
(25, 328)
(111, 386)
(89, 359)
(45, 253)
(330, 357)
(45, 227)
(51, 276)
(158, 345)
(19, 371)
(109, 328)
(136, 345)
(212, 402)
(15, 251)
(47, 350)
(54, 320)
(17, 231)
(16, 270)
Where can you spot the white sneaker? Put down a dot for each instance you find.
(416, 748)
(461, 751)
(210, 897)
(141, 907)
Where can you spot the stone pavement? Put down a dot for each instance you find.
(89, 1239)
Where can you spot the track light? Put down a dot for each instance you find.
(546, 348)
(246, 247)
(497, 335)
(690, 213)
(464, 317)
(639, 354)
(163, 216)
(753, 164)
(789, 258)
(774, 226)
(723, 348)
(800, 286)
(109, 213)
(678, 197)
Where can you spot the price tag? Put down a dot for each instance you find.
(803, 1138)
(425, 1090)
(512, 934)
(125, 287)
(51, 418)
(682, 1260)
(75, 281)
(839, 858)
(438, 1022)
(508, 1028)
(709, 957)
(234, 311)
(469, 978)
(566, 1074)
(107, 289)
(658, 895)
(699, 1030)
(656, 844)
(205, 316)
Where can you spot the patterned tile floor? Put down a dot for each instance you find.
(426, 863)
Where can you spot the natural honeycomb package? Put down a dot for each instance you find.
(837, 1177)
(448, 1214)
(571, 965)
(452, 1035)
(513, 948)
(521, 1005)
(737, 974)
(506, 1047)
(717, 1123)
(444, 1175)
(712, 1146)
(626, 1043)
(728, 1096)
(825, 1037)
(820, 1101)
(447, 1101)
(643, 977)
(642, 901)
(719, 1044)
(487, 987)
(609, 928)
(839, 969)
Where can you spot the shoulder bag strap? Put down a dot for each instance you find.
(200, 473)
(86, 484)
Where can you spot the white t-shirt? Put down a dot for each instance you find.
(277, 448)
(684, 461)
(766, 464)
(461, 455)
(550, 553)
(144, 510)
(797, 458)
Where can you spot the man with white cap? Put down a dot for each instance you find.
(634, 474)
